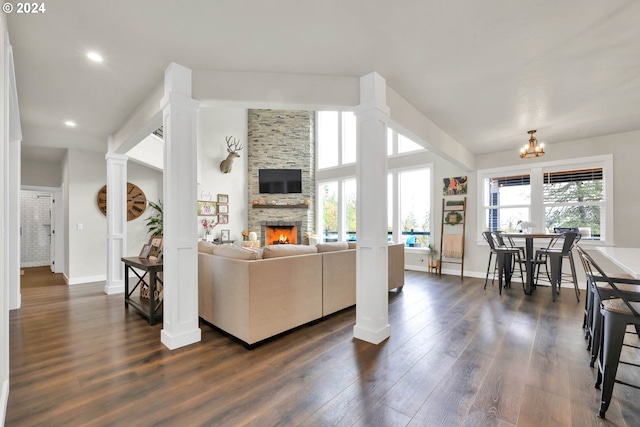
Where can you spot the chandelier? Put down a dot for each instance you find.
(532, 148)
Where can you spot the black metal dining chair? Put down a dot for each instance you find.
(506, 259)
(617, 312)
(492, 251)
(554, 256)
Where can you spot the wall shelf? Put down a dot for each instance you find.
(300, 206)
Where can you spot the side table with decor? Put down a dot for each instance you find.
(148, 301)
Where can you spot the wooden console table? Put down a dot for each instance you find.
(149, 308)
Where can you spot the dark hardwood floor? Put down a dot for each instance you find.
(457, 356)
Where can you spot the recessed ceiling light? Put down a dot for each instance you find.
(70, 123)
(94, 57)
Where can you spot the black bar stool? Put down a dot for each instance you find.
(555, 257)
(616, 313)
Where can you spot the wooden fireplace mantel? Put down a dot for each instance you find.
(300, 206)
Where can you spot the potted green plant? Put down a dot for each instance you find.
(154, 222)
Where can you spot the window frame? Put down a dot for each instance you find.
(536, 173)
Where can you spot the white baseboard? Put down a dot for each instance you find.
(416, 268)
(117, 288)
(85, 279)
(183, 339)
(371, 336)
(4, 400)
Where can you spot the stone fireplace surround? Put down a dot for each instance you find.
(281, 139)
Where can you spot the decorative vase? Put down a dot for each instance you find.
(253, 236)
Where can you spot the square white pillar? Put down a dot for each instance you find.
(180, 254)
(372, 310)
(116, 221)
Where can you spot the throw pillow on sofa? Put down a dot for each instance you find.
(277, 251)
(332, 246)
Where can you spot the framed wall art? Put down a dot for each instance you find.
(206, 208)
(454, 186)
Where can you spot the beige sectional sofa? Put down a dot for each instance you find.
(254, 294)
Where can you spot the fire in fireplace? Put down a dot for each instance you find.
(281, 235)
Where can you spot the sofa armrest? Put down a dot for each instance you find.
(338, 280)
(223, 293)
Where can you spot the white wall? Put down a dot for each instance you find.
(150, 182)
(214, 125)
(86, 252)
(87, 246)
(41, 174)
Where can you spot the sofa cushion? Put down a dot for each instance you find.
(205, 247)
(332, 246)
(277, 251)
(236, 252)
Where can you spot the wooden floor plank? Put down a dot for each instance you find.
(457, 355)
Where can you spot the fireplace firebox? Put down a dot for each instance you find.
(280, 233)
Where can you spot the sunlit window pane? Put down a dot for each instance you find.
(327, 124)
(415, 203)
(349, 191)
(328, 197)
(390, 202)
(573, 186)
(349, 137)
(505, 219)
(405, 145)
(508, 191)
(586, 218)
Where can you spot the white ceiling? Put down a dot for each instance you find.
(484, 71)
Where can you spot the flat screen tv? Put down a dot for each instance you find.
(280, 181)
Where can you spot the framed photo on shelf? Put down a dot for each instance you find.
(156, 241)
(155, 253)
(225, 235)
(223, 209)
(223, 219)
(206, 208)
(223, 198)
(144, 253)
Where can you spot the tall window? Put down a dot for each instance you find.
(349, 186)
(569, 194)
(328, 204)
(336, 138)
(415, 205)
(408, 189)
(337, 204)
(507, 202)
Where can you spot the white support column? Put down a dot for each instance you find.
(15, 299)
(372, 311)
(180, 306)
(116, 221)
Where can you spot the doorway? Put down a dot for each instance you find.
(36, 219)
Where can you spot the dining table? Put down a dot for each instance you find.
(530, 254)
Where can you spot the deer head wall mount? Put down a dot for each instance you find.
(233, 147)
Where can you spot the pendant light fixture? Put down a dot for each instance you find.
(532, 148)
